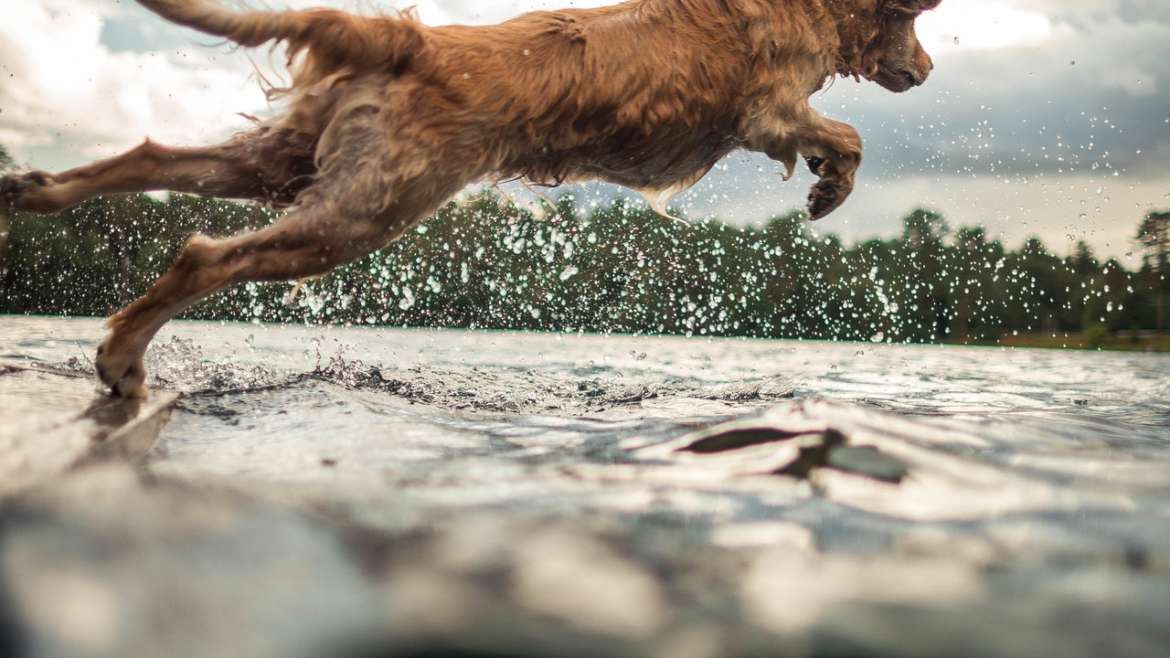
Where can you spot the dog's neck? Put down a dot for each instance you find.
(845, 30)
(857, 28)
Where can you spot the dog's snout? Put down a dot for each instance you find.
(910, 78)
(923, 65)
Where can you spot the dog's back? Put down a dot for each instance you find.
(644, 94)
(619, 92)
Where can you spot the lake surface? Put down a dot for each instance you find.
(675, 496)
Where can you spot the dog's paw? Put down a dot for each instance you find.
(120, 369)
(28, 191)
(815, 164)
(826, 196)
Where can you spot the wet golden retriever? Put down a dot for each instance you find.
(386, 119)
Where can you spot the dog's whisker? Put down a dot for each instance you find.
(540, 195)
(657, 201)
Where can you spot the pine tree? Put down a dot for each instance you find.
(5, 164)
(1154, 235)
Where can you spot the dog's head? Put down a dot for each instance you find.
(887, 50)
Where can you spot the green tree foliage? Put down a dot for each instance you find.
(5, 164)
(616, 268)
(1154, 236)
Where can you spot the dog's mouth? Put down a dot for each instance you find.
(898, 80)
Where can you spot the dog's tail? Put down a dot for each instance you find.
(333, 39)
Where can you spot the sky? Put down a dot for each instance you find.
(1042, 117)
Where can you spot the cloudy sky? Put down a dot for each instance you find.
(1043, 117)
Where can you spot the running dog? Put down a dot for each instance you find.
(386, 119)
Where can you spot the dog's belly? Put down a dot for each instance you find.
(641, 162)
(657, 168)
(656, 164)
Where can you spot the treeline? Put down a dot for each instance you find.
(621, 268)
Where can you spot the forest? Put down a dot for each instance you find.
(487, 263)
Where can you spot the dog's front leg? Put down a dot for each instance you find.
(833, 152)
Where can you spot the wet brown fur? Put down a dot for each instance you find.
(387, 118)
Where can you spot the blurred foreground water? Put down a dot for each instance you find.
(328, 492)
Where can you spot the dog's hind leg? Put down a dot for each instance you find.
(358, 205)
(265, 165)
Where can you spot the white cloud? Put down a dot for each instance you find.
(63, 86)
(959, 25)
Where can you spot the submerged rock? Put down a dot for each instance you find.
(736, 436)
(810, 447)
(868, 461)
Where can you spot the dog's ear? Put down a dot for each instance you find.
(910, 6)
